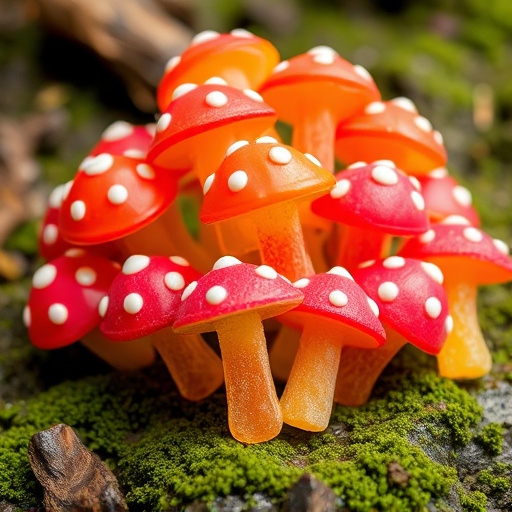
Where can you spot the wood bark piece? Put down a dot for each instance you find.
(72, 477)
(136, 38)
(310, 495)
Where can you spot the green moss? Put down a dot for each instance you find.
(494, 484)
(491, 438)
(472, 501)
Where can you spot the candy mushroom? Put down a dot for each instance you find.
(233, 299)
(142, 301)
(391, 130)
(373, 202)
(335, 313)
(242, 59)
(263, 181)
(63, 308)
(468, 258)
(413, 309)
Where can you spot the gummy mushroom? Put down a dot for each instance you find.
(391, 130)
(242, 59)
(233, 299)
(413, 309)
(373, 202)
(63, 308)
(142, 301)
(468, 258)
(314, 92)
(335, 313)
(263, 180)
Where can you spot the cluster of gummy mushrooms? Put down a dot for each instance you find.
(339, 270)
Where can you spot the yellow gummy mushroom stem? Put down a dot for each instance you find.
(360, 369)
(308, 397)
(254, 415)
(464, 354)
(193, 365)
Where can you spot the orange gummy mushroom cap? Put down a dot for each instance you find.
(225, 55)
(259, 174)
(392, 130)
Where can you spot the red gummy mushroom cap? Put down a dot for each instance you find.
(411, 299)
(259, 174)
(444, 197)
(378, 197)
(144, 297)
(335, 298)
(198, 111)
(214, 54)
(113, 196)
(234, 288)
(318, 77)
(393, 130)
(463, 251)
(63, 302)
(123, 138)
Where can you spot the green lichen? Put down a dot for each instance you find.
(491, 438)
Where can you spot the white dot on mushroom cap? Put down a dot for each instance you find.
(433, 271)
(134, 153)
(394, 262)
(415, 183)
(438, 137)
(133, 303)
(340, 271)
(236, 145)
(172, 63)
(50, 234)
(356, 165)
(203, 37)
(74, 253)
(338, 298)
(179, 260)
(440, 172)
(455, 219)
(418, 200)
(253, 95)
(117, 194)
(384, 175)
(216, 99)
(340, 189)
(67, 187)
(237, 181)
(280, 155)
(301, 283)
(313, 159)
(58, 314)
(373, 307)
(215, 295)
(427, 237)
(164, 122)
(174, 281)
(423, 123)
(135, 264)
(462, 195)
(44, 276)
(324, 58)
(366, 264)
(99, 164)
(266, 272)
(226, 261)
(387, 291)
(501, 246)
(321, 49)
(448, 324)
(377, 107)
(387, 163)
(241, 32)
(145, 171)
(188, 290)
(85, 162)
(208, 182)
(183, 89)
(150, 128)
(472, 234)
(27, 316)
(215, 80)
(85, 276)
(266, 139)
(103, 306)
(281, 66)
(405, 103)
(77, 210)
(433, 307)
(117, 130)
(56, 197)
(363, 72)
